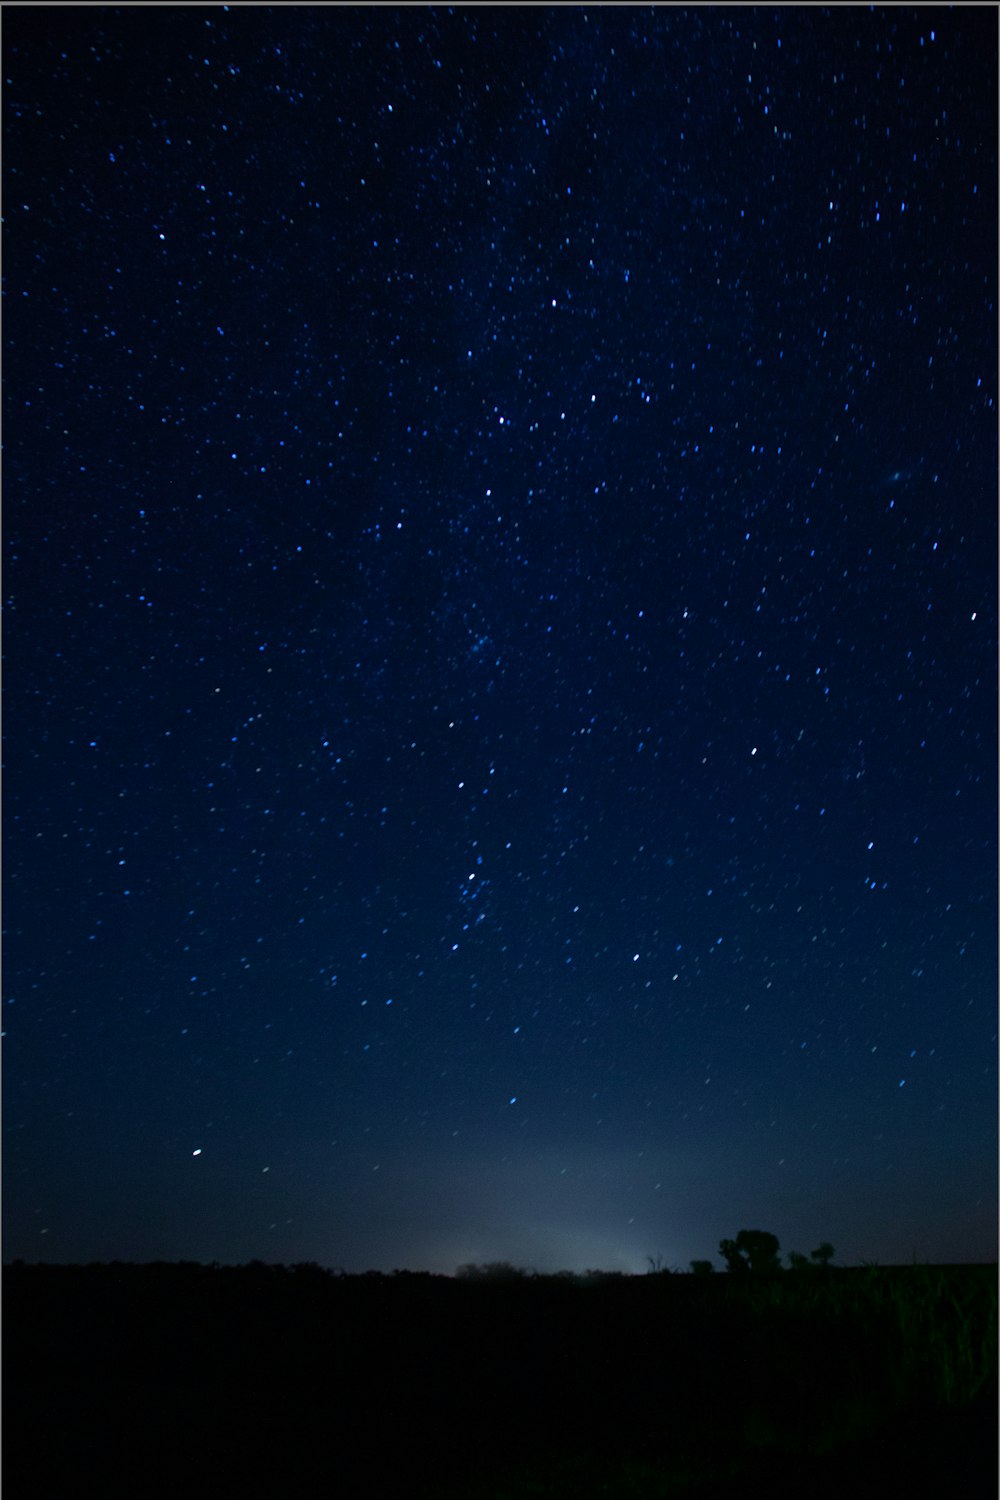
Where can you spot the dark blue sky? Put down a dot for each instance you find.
(500, 583)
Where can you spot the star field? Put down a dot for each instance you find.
(500, 590)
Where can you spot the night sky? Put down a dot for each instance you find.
(500, 598)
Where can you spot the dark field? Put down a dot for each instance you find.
(266, 1381)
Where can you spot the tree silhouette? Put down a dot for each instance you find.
(819, 1258)
(752, 1250)
(702, 1267)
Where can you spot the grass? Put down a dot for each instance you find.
(825, 1379)
(936, 1330)
(862, 1382)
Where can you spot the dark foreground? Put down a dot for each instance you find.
(265, 1381)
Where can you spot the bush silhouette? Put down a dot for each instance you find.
(702, 1267)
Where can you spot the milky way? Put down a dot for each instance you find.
(500, 634)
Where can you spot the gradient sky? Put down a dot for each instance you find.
(500, 588)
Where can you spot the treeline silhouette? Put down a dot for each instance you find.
(752, 1250)
(271, 1380)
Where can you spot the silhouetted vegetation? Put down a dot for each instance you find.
(494, 1270)
(818, 1259)
(500, 1384)
(758, 1251)
(752, 1250)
